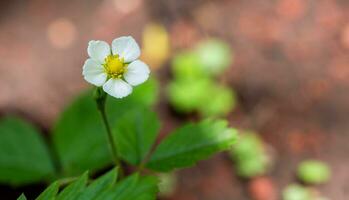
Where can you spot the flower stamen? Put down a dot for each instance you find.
(114, 66)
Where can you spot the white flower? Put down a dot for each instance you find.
(116, 69)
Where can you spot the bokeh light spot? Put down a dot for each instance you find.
(126, 6)
(61, 33)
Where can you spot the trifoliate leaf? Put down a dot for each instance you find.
(24, 157)
(192, 143)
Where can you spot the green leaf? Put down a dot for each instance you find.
(49, 192)
(73, 190)
(79, 135)
(22, 197)
(120, 190)
(146, 189)
(133, 188)
(192, 143)
(100, 185)
(24, 157)
(136, 133)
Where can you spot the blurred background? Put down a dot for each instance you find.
(289, 73)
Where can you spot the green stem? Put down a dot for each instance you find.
(100, 97)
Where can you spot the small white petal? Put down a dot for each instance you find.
(98, 50)
(126, 47)
(137, 72)
(94, 73)
(117, 88)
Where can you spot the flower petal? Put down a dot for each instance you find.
(126, 47)
(98, 50)
(137, 72)
(117, 88)
(94, 73)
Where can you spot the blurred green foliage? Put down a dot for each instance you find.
(296, 192)
(188, 95)
(313, 172)
(194, 87)
(214, 55)
(309, 172)
(220, 101)
(186, 65)
(250, 156)
(167, 184)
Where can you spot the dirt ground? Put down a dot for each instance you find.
(291, 75)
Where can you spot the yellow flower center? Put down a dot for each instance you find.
(114, 66)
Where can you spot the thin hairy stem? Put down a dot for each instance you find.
(100, 98)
